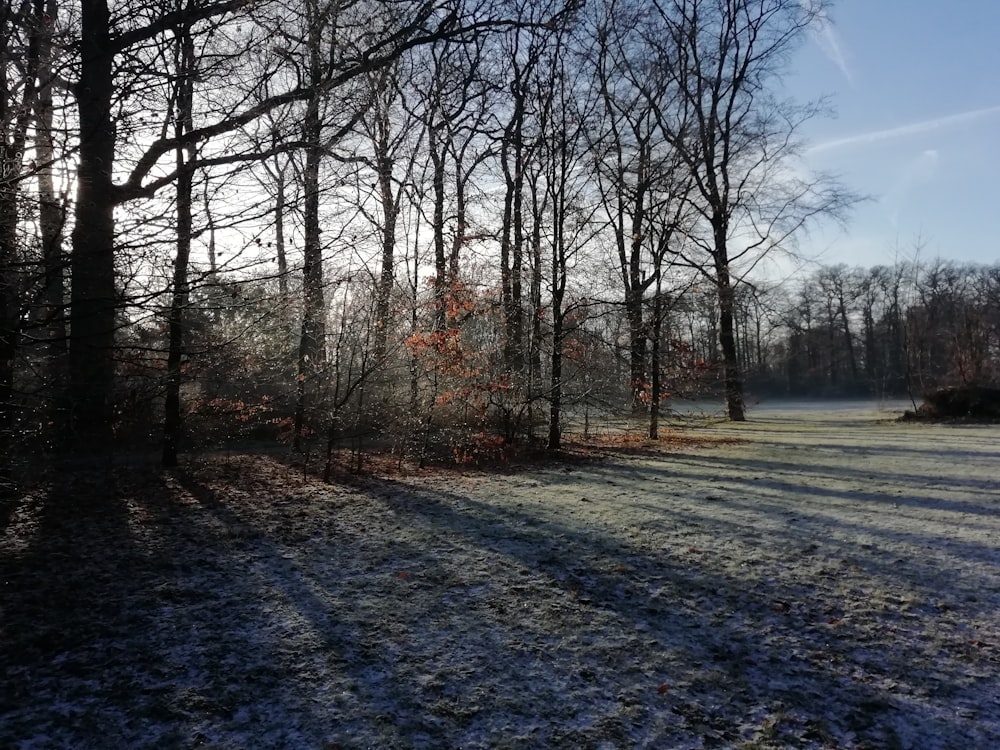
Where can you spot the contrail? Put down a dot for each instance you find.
(923, 126)
(827, 40)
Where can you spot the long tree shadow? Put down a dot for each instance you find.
(758, 482)
(800, 516)
(236, 609)
(739, 651)
(959, 442)
(778, 475)
(118, 601)
(949, 451)
(301, 584)
(74, 583)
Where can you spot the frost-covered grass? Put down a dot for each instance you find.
(830, 581)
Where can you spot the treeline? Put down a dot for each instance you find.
(441, 225)
(901, 330)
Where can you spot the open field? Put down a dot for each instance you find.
(831, 580)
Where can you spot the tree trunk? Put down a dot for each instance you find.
(279, 235)
(848, 340)
(387, 276)
(311, 349)
(9, 318)
(727, 341)
(93, 299)
(636, 284)
(637, 347)
(460, 221)
(535, 359)
(655, 385)
(555, 379)
(515, 315)
(559, 272)
(51, 206)
(512, 238)
(172, 418)
(727, 334)
(437, 225)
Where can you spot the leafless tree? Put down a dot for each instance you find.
(737, 138)
(106, 40)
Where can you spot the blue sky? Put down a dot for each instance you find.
(916, 88)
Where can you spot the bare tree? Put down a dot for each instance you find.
(624, 146)
(644, 183)
(736, 137)
(52, 203)
(320, 19)
(563, 206)
(455, 107)
(25, 103)
(183, 122)
(103, 42)
(15, 88)
(524, 51)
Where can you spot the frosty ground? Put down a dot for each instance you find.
(806, 579)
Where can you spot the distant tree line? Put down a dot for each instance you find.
(900, 330)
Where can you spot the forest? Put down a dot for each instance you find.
(446, 227)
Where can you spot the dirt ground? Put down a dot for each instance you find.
(810, 580)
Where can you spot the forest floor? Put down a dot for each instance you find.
(801, 580)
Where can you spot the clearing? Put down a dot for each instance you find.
(830, 580)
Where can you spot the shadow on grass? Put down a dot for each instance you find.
(738, 650)
(232, 606)
(72, 577)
